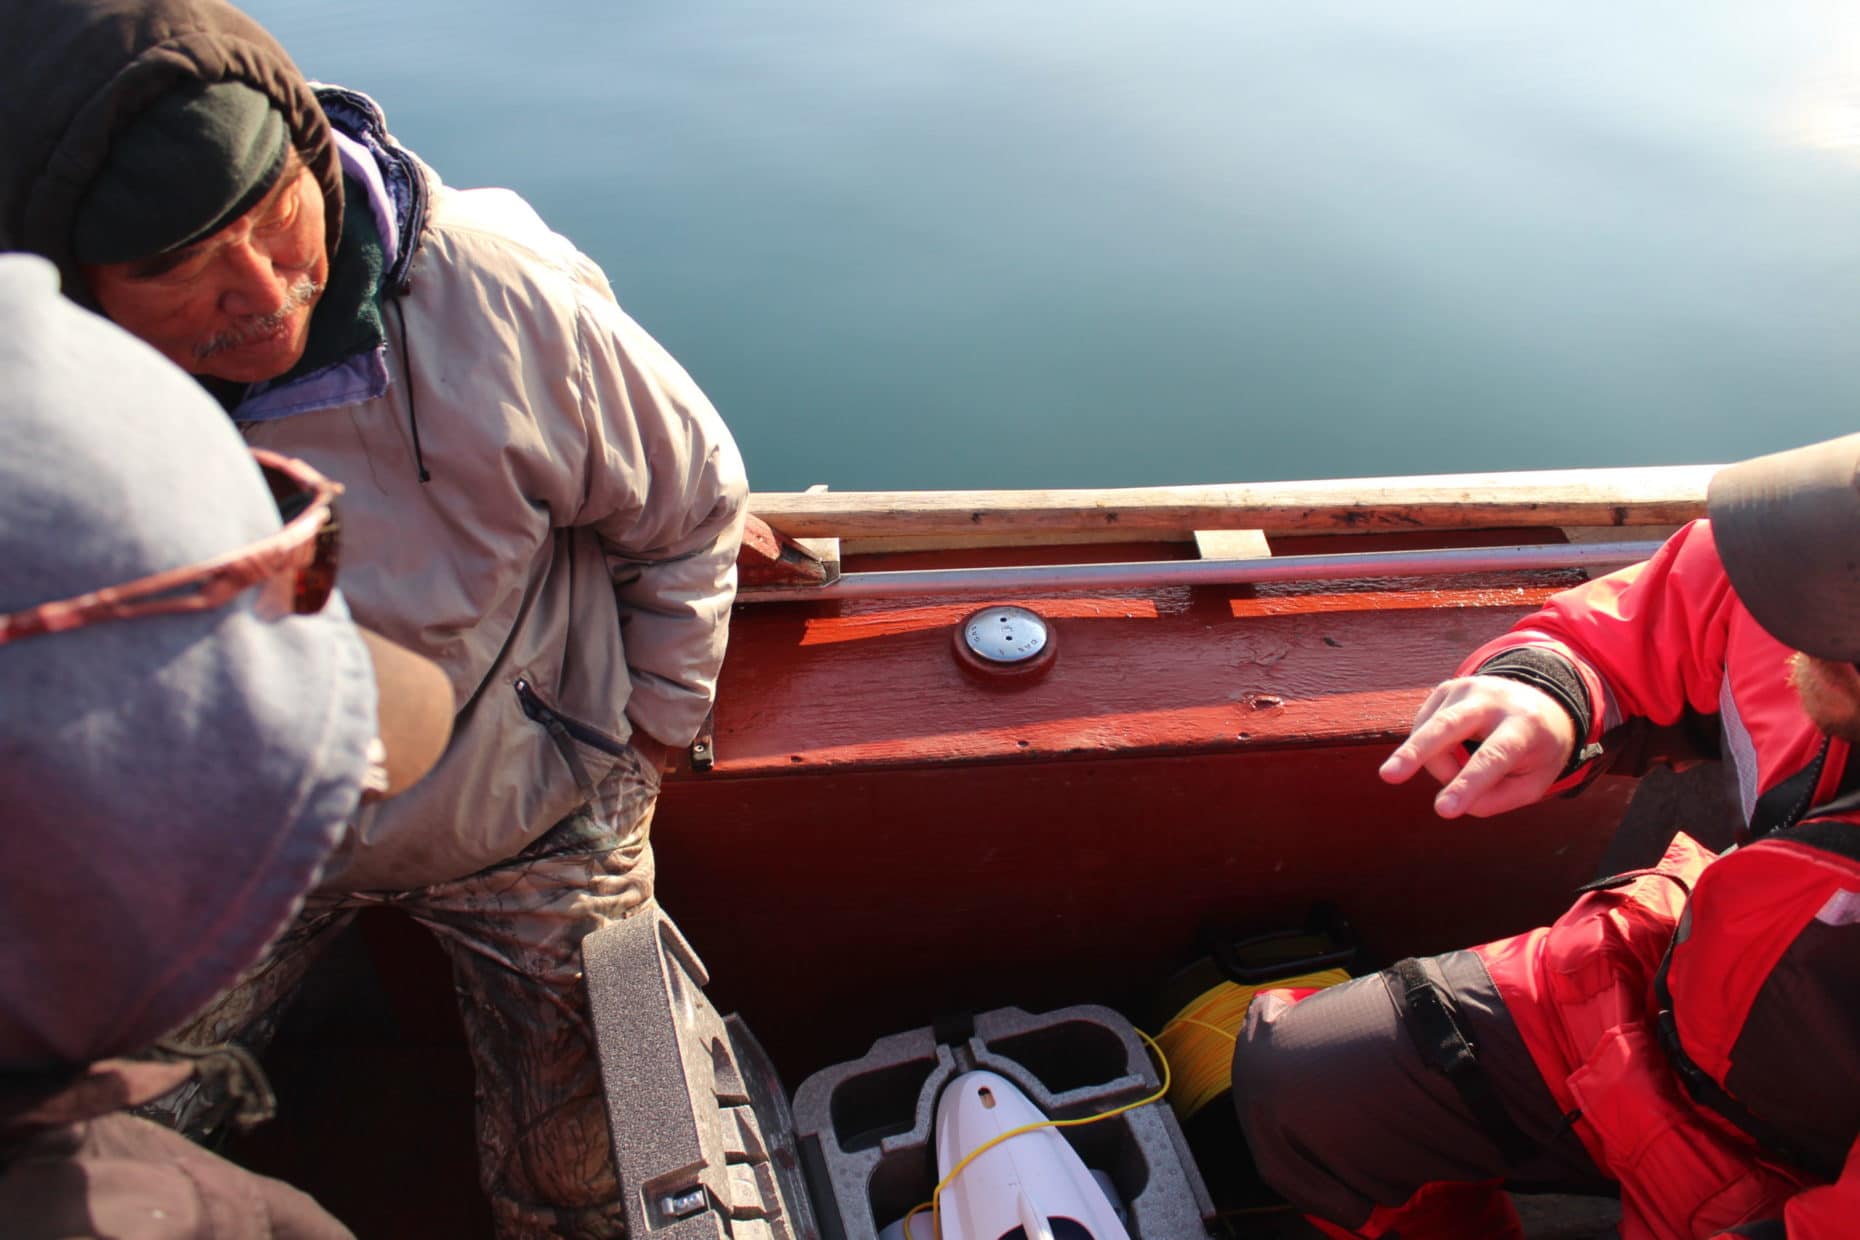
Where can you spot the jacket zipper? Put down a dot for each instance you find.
(551, 718)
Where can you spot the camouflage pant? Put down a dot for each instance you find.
(513, 932)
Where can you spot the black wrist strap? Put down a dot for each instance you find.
(1555, 675)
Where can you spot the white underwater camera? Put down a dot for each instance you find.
(1032, 1186)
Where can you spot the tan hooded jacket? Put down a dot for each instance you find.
(570, 563)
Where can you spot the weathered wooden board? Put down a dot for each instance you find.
(770, 559)
(1665, 495)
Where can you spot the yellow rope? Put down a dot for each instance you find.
(1199, 1039)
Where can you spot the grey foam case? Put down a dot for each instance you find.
(708, 1148)
(865, 1127)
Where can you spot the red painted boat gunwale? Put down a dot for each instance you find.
(1171, 670)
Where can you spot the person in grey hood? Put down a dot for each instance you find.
(188, 722)
(540, 500)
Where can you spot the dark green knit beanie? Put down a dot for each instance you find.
(191, 163)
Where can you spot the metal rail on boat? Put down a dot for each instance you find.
(1147, 575)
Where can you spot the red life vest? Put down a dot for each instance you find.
(1580, 992)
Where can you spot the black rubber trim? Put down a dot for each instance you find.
(1829, 835)
(1444, 1046)
(1785, 803)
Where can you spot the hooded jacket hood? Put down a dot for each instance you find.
(170, 785)
(74, 72)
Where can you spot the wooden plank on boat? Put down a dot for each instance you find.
(1232, 544)
(969, 541)
(1664, 495)
(826, 550)
(768, 558)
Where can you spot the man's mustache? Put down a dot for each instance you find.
(301, 294)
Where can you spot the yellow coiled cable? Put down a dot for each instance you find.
(1199, 1040)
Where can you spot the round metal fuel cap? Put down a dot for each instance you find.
(1005, 635)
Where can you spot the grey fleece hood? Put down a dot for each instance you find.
(170, 786)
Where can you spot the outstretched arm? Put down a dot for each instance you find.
(1525, 713)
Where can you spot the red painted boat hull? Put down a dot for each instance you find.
(886, 838)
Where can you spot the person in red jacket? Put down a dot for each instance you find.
(1687, 1035)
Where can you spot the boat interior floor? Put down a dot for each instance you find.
(375, 1103)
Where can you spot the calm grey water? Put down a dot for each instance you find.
(981, 243)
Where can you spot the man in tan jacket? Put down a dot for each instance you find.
(539, 500)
